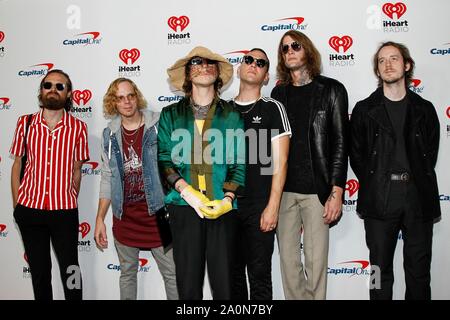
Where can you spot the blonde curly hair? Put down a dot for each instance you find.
(110, 99)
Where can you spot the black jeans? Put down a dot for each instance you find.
(198, 241)
(382, 236)
(39, 228)
(254, 252)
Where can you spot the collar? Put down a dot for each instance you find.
(39, 119)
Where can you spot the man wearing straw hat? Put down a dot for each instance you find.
(201, 154)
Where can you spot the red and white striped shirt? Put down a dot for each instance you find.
(47, 183)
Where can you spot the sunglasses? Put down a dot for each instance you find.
(261, 63)
(196, 61)
(49, 85)
(129, 97)
(294, 45)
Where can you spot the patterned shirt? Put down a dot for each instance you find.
(48, 179)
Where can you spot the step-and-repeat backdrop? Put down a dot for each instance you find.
(98, 41)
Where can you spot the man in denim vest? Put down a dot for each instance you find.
(130, 182)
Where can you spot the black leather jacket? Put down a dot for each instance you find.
(328, 133)
(373, 146)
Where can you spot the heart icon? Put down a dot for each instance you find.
(132, 54)
(78, 96)
(389, 9)
(345, 42)
(175, 22)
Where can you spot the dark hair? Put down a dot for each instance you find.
(187, 85)
(69, 102)
(261, 50)
(404, 51)
(312, 55)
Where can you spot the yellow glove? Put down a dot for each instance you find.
(194, 198)
(216, 208)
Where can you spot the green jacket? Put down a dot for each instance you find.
(219, 153)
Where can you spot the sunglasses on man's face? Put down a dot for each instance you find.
(49, 85)
(294, 45)
(261, 63)
(196, 61)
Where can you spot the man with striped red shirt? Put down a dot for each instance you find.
(45, 199)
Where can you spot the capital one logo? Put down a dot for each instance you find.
(79, 96)
(90, 168)
(298, 20)
(2, 36)
(129, 56)
(37, 70)
(84, 229)
(236, 56)
(345, 42)
(398, 8)
(180, 22)
(94, 34)
(352, 186)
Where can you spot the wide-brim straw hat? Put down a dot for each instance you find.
(177, 71)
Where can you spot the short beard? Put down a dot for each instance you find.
(53, 103)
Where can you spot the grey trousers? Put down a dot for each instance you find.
(308, 282)
(129, 264)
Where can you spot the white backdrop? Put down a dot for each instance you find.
(96, 41)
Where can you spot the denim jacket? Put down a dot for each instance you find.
(112, 173)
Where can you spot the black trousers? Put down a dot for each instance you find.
(39, 228)
(198, 241)
(254, 252)
(382, 237)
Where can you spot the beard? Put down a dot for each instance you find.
(53, 102)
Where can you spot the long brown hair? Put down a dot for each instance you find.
(312, 55)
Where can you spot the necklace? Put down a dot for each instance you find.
(200, 112)
(132, 134)
(246, 111)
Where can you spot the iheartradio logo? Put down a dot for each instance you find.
(4, 100)
(129, 55)
(345, 42)
(448, 112)
(142, 262)
(2, 227)
(415, 86)
(398, 8)
(84, 229)
(180, 22)
(352, 187)
(2, 36)
(415, 82)
(78, 96)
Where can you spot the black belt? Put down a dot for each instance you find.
(403, 177)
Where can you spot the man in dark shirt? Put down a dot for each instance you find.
(267, 133)
(317, 109)
(394, 147)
